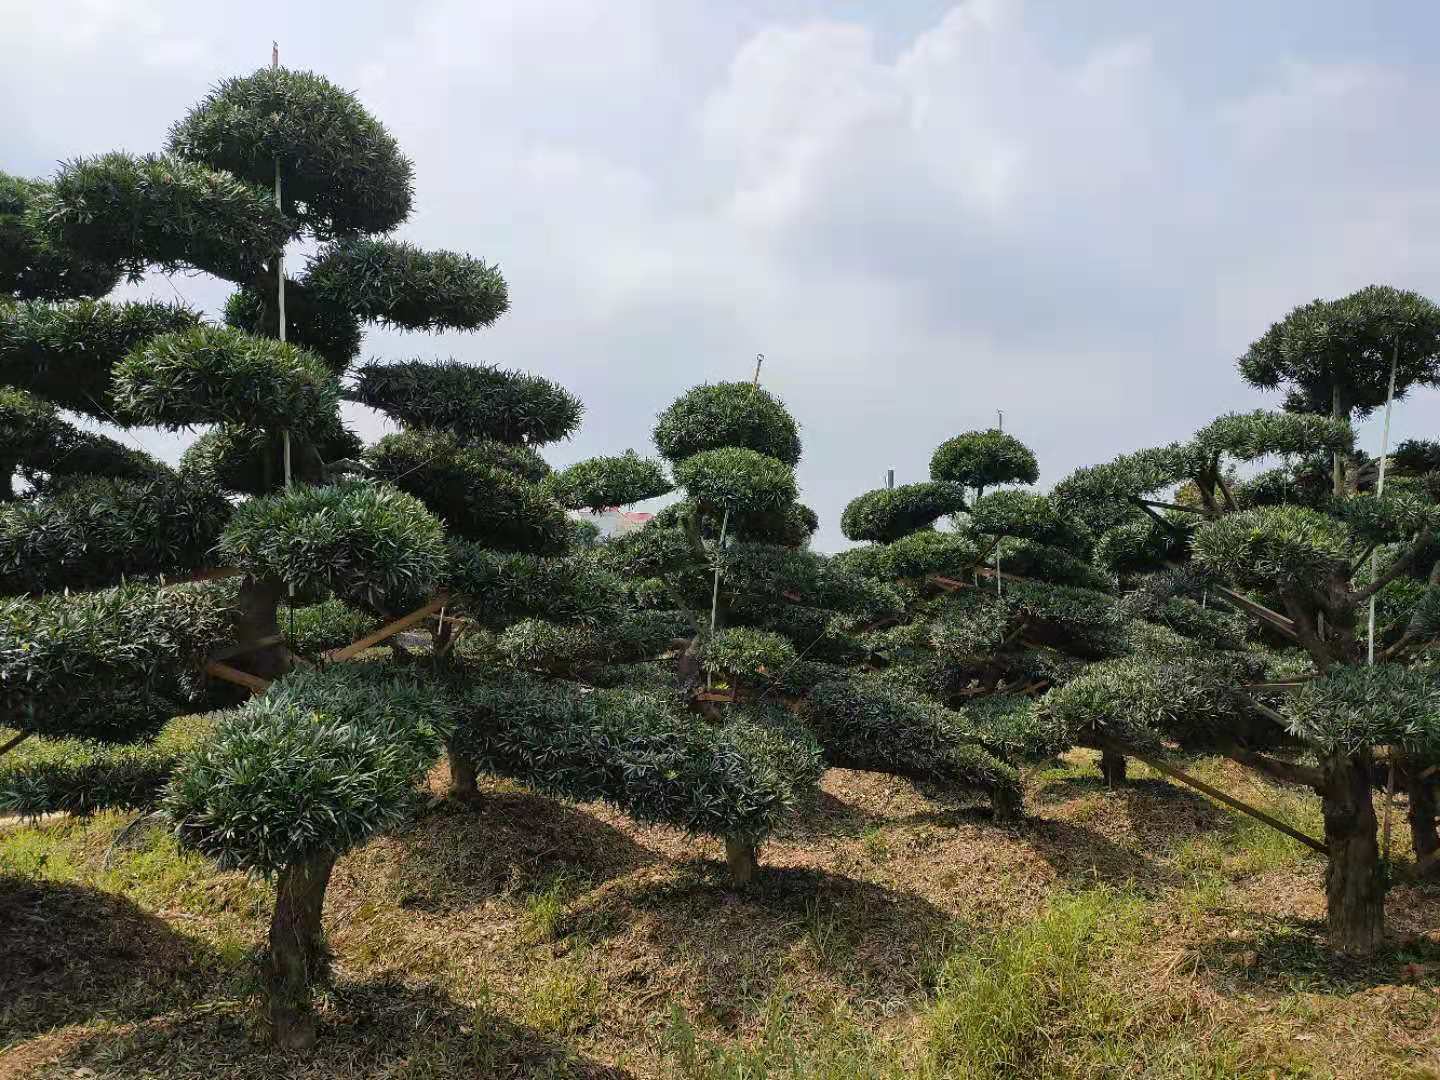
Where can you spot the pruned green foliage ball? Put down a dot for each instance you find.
(31, 268)
(747, 654)
(341, 171)
(639, 752)
(1054, 565)
(366, 542)
(218, 375)
(111, 665)
(718, 415)
(1273, 545)
(96, 531)
(139, 212)
(44, 447)
(601, 482)
(1028, 516)
(1143, 545)
(245, 460)
(915, 556)
(869, 722)
(791, 526)
(1351, 707)
(65, 352)
(331, 624)
(885, 515)
(329, 330)
(500, 587)
(650, 552)
(737, 479)
(1248, 436)
(471, 401)
(281, 784)
(1103, 496)
(783, 573)
(399, 285)
(982, 459)
(479, 492)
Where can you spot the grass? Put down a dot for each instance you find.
(1131, 933)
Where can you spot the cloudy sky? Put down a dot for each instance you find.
(920, 212)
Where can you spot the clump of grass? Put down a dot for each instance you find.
(874, 844)
(562, 1001)
(545, 908)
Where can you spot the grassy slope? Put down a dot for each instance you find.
(1139, 933)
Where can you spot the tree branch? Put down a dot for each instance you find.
(1399, 566)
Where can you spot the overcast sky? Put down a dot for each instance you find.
(921, 212)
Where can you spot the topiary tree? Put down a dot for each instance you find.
(1300, 566)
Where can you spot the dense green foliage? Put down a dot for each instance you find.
(469, 400)
(601, 482)
(982, 459)
(734, 478)
(717, 415)
(887, 514)
(398, 285)
(31, 268)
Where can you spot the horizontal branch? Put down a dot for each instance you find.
(1285, 625)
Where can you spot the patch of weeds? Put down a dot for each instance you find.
(874, 844)
(544, 909)
(824, 936)
(36, 853)
(562, 1001)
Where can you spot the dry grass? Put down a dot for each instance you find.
(1142, 932)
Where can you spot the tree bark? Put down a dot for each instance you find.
(1354, 883)
(1005, 804)
(742, 859)
(298, 957)
(462, 776)
(1423, 834)
(1112, 768)
(259, 607)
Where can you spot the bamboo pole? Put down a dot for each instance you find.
(254, 683)
(388, 630)
(1228, 800)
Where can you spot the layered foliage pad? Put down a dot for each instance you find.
(152, 211)
(244, 460)
(602, 482)
(639, 752)
(343, 172)
(982, 459)
(718, 415)
(736, 479)
(500, 588)
(1026, 516)
(65, 352)
(315, 629)
(870, 722)
(1353, 707)
(97, 531)
(111, 665)
(480, 491)
(1274, 546)
(34, 439)
(470, 401)
(747, 654)
(218, 375)
(31, 268)
(315, 767)
(398, 285)
(367, 543)
(329, 330)
(885, 515)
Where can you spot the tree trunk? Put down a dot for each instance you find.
(462, 776)
(1354, 883)
(1005, 805)
(297, 950)
(259, 605)
(1112, 768)
(741, 857)
(1339, 462)
(1422, 816)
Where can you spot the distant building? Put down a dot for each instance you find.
(612, 521)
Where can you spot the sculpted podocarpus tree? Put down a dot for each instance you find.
(1306, 567)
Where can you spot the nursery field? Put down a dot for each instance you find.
(1138, 932)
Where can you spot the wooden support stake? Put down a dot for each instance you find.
(13, 742)
(1220, 796)
(249, 647)
(389, 630)
(1260, 611)
(253, 683)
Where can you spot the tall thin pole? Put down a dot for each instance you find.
(1000, 416)
(280, 267)
(1375, 574)
(889, 479)
(725, 522)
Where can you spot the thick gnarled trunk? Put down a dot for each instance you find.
(259, 619)
(1354, 881)
(1421, 793)
(462, 776)
(1112, 768)
(1005, 805)
(742, 859)
(298, 957)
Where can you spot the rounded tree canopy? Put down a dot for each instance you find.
(717, 415)
(1349, 708)
(217, 375)
(887, 514)
(746, 654)
(1346, 346)
(31, 268)
(66, 352)
(981, 459)
(1274, 546)
(1248, 436)
(246, 460)
(734, 478)
(504, 587)
(470, 400)
(138, 212)
(397, 284)
(601, 482)
(924, 552)
(1103, 496)
(365, 542)
(341, 171)
(96, 531)
(1030, 517)
(792, 525)
(476, 491)
(329, 331)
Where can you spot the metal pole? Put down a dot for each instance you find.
(280, 272)
(889, 479)
(1380, 483)
(1000, 414)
